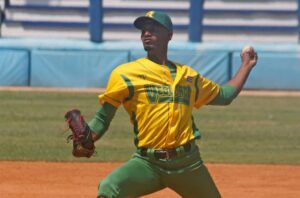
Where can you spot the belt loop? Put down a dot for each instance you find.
(180, 150)
(150, 153)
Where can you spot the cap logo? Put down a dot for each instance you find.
(150, 14)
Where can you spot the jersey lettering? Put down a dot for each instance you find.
(164, 94)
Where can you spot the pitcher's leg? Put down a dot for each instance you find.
(194, 184)
(133, 179)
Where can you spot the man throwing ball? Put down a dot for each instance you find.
(159, 95)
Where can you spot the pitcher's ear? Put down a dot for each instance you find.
(170, 35)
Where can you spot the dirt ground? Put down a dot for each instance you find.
(66, 180)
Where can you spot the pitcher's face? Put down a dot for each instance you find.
(155, 36)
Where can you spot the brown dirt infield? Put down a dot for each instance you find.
(66, 180)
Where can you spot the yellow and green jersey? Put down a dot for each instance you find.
(160, 107)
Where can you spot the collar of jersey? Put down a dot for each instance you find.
(147, 61)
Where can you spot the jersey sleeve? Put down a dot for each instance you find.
(116, 90)
(206, 91)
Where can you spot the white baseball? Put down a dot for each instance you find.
(247, 48)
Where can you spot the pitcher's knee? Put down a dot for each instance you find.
(108, 188)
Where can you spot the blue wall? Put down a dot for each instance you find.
(69, 68)
(274, 71)
(14, 67)
(44, 63)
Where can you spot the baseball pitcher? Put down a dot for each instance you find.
(159, 95)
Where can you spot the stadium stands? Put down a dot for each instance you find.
(263, 21)
(57, 19)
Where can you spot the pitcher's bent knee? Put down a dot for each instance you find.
(108, 188)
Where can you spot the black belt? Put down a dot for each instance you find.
(165, 153)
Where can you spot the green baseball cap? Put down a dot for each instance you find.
(159, 17)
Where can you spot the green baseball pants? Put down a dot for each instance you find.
(185, 174)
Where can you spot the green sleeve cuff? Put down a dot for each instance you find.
(101, 121)
(225, 96)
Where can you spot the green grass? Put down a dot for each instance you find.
(250, 130)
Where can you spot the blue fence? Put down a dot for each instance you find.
(83, 64)
(195, 28)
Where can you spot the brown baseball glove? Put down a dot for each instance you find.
(82, 136)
